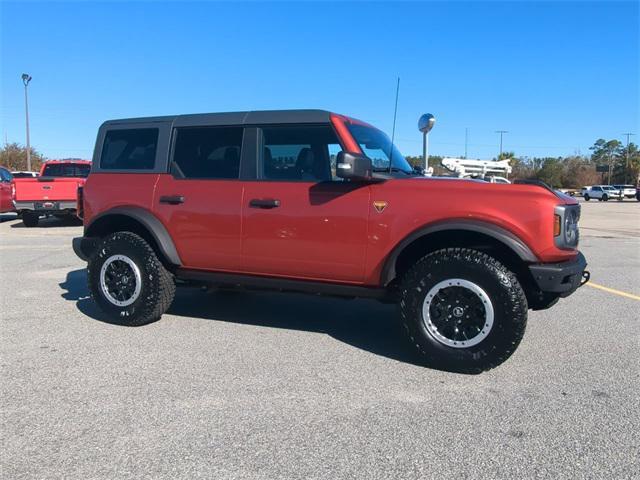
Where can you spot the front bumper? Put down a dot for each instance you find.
(84, 247)
(562, 278)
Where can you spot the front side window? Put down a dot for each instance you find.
(129, 149)
(299, 153)
(378, 147)
(80, 170)
(207, 152)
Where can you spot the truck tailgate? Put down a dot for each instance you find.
(43, 188)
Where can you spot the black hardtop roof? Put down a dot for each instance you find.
(256, 117)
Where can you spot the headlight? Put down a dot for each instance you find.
(565, 228)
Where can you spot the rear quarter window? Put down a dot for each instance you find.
(66, 170)
(129, 149)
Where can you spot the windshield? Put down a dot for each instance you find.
(377, 146)
(67, 170)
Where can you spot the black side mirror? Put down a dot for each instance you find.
(353, 166)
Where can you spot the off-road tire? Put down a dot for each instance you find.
(157, 288)
(30, 219)
(501, 286)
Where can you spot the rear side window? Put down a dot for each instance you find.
(66, 170)
(207, 152)
(129, 149)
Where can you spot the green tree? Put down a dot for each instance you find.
(578, 171)
(551, 171)
(629, 165)
(506, 156)
(14, 157)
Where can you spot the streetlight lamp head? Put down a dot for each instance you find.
(26, 78)
(426, 122)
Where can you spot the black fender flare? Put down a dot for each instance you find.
(491, 230)
(149, 221)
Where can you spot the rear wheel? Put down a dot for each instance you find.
(127, 280)
(463, 310)
(605, 198)
(30, 219)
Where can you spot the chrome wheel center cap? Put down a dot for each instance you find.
(458, 312)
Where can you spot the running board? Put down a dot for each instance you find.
(280, 284)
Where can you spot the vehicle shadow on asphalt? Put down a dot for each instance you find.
(68, 221)
(363, 324)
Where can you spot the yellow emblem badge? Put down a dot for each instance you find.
(380, 205)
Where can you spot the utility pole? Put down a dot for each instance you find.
(501, 132)
(628, 135)
(26, 78)
(466, 141)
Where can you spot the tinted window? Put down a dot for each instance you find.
(207, 152)
(133, 149)
(66, 170)
(5, 176)
(378, 147)
(299, 153)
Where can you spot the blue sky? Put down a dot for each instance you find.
(556, 75)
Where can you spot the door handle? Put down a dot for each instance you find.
(264, 203)
(172, 199)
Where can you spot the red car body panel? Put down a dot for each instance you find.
(6, 203)
(318, 232)
(206, 228)
(321, 232)
(35, 190)
(117, 190)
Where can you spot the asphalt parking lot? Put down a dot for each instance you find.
(269, 386)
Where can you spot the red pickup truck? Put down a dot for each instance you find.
(54, 192)
(315, 202)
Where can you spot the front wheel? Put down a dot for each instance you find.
(463, 310)
(128, 281)
(605, 198)
(587, 198)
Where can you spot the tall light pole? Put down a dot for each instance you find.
(628, 135)
(425, 124)
(26, 78)
(501, 132)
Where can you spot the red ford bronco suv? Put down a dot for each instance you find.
(311, 201)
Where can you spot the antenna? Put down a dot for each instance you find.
(393, 131)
